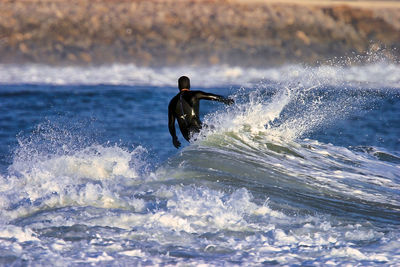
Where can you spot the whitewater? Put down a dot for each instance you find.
(304, 168)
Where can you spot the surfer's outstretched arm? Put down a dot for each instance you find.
(171, 126)
(213, 97)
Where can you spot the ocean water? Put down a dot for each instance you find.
(304, 169)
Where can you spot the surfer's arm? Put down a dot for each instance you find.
(171, 127)
(213, 97)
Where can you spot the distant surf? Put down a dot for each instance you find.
(376, 74)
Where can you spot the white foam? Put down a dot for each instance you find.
(199, 219)
(133, 253)
(95, 162)
(81, 178)
(100, 258)
(197, 210)
(19, 233)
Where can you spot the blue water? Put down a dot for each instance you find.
(303, 170)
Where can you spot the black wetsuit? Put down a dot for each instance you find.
(185, 108)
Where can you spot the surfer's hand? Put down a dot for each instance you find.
(229, 101)
(176, 143)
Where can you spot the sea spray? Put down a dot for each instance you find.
(55, 167)
(303, 102)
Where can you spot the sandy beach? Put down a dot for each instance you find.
(171, 32)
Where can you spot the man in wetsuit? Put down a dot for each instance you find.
(185, 108)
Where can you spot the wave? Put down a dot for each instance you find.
(253, 188)
(259, 145)
(306, 175)
(374, 75)
(91, 176)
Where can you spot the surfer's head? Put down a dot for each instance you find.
(183, 83)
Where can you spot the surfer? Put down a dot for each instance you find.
(185, 108)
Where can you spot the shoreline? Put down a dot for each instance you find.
(169, 32)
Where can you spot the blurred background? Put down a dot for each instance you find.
(154, 33)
